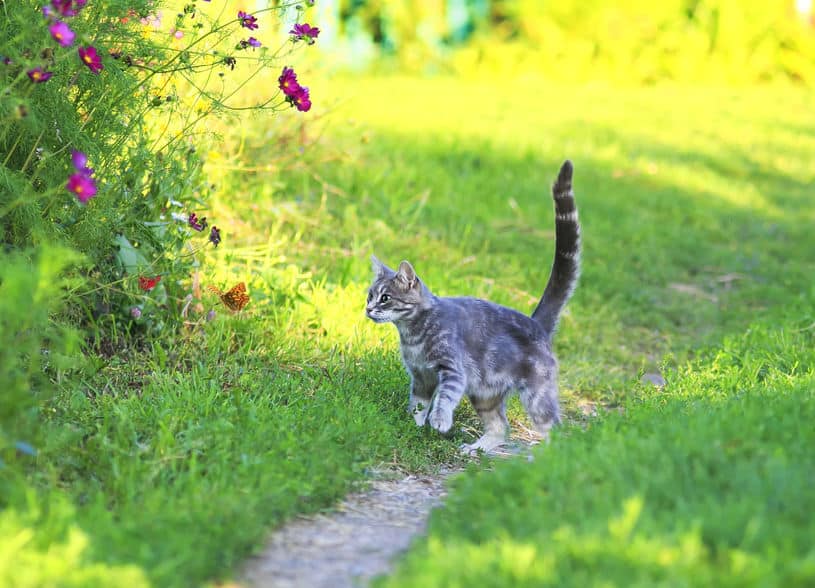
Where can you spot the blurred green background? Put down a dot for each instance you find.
(638, 41)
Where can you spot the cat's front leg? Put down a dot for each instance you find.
(448, 394)
(418, 406)
(421, 394)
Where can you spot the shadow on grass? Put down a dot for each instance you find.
(674, 259)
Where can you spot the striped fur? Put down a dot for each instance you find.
(566, 265)
(452, 347)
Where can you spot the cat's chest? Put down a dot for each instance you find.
(415, 356)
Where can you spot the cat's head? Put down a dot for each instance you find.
(393, 295)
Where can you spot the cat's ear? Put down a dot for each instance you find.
(378, 267)
(406, 274)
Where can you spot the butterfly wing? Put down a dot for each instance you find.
(236, 298)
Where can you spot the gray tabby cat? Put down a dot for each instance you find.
(457, 346)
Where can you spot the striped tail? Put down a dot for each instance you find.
(566, 266)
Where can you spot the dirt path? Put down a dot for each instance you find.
(351, 545)
(363, 535)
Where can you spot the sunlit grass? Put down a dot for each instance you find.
(689, 199)
(697, 221)
(704, 484)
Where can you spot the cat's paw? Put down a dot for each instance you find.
(441, 420)
(487, 443)
(418, 410)
(468, 449)
(420, 416)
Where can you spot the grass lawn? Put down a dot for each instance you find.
(707, 483)
(171, 463)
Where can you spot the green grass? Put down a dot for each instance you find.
(707, 483)
(181, 466)
(695, 206)
(173, 462)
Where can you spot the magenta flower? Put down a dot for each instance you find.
(65, 7)
(38, 75)
(135, 312)
(61, 7)
(82, 186)
(250, 42)
(62, 34)
(80, 161)
(247, 20)
(215, 236)
(91, 58)
(304, 32)
(301, 100)
(288, 82)
(196, 223)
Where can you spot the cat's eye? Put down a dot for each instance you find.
(384, 298)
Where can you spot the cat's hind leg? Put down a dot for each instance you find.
(540, 399)
(492, 412)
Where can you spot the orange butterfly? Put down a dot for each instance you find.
(235, 299)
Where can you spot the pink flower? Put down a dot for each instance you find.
(80, 162)
(91, 58)
(65, 7)
(62, 34)
(196, 223)
(82, 186)
(296, 95)
(304, 32)
(247, 20)
(38, 75)
(288, 82)
(301, 100)
(215, 236)
(250, 42)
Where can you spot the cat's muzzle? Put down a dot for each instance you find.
(375, 318)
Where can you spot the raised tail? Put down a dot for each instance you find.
(566, 266)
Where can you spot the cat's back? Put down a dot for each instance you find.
(481, 320)
(496, 345)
